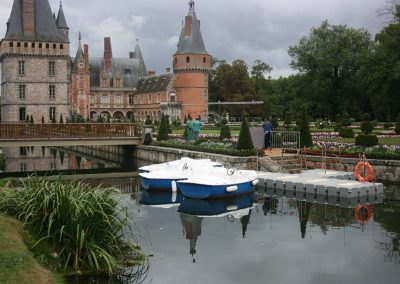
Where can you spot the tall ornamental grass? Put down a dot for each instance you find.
(83, 225)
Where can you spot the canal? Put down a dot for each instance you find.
(260, 238)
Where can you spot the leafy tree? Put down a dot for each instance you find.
(163, 129)
(31, 120)
(304, 128)
(259, 71)
(330, 58)
(245, 142)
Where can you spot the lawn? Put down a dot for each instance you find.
(17, 264)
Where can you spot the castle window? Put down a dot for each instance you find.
(40, 45)
(47, 45)
(104, 100)
(188, 59)
(26, 45)
(11, 44)
(158, 97)
(21, 67)
(23, 151)
(22, 114)
(52, 68)
(23, 167)
(61, 46)
(52, 114)
(52, 92)
(131, 99)
(92, 100)
(18, 44)
(22, 92)
(118, 100)
(33, 45)
(54, 46)
(176, 60)
(204, 59)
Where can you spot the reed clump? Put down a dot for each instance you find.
(84, 226)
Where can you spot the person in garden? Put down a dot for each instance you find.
(267, 126)
(197, 127)
(189, 128)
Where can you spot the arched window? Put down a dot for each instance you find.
(176, 60)
(188, 59)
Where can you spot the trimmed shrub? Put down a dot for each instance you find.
(346, 132)
(163, 129)
(225, 132)
(200, 140)
(366, 140)
(31, 120)
(397, 129)
(245, 142)
(148, 121)
(304, 128)
(367, 127)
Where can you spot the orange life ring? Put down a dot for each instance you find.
(363, 213)
(370, 172)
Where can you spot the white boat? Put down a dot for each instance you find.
(218, 183)
(184, 163)
(164, 176)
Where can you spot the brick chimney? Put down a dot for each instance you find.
(131, 54)
(107, 55)
(188, 26)
(86, 54)
(28, 17)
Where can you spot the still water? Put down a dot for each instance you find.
(268, 239)
(262, 238)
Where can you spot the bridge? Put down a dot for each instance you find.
(69, 134)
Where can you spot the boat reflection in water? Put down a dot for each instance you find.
(160, 199)
(193, 211)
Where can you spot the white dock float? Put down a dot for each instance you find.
(320, 182)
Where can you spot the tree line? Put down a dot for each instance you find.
(340, 70)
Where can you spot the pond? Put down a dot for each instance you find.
(268, 239)
(261, 238)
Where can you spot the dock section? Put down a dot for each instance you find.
(320, 182)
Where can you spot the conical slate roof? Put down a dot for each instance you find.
(45, 28)
(79, 56)
(138, 55)
(191, 43)
(61, 22)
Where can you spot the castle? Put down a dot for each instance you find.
(40, 80)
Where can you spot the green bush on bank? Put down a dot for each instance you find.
(84, 226)
(366, 140)
(345, 132)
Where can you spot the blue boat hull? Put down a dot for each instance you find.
(201, 191)
(215, 207)
(159, 198)
(157, 184)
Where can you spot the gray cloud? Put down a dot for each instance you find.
(232, 29)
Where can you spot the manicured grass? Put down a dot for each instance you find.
(17, 264)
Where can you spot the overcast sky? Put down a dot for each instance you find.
(232, 29)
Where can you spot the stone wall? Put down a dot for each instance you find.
(386, 171)
(161, 155)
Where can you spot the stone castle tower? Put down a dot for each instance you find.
(191, 64)
(34, 57)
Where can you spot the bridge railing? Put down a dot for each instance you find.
(69, 130)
